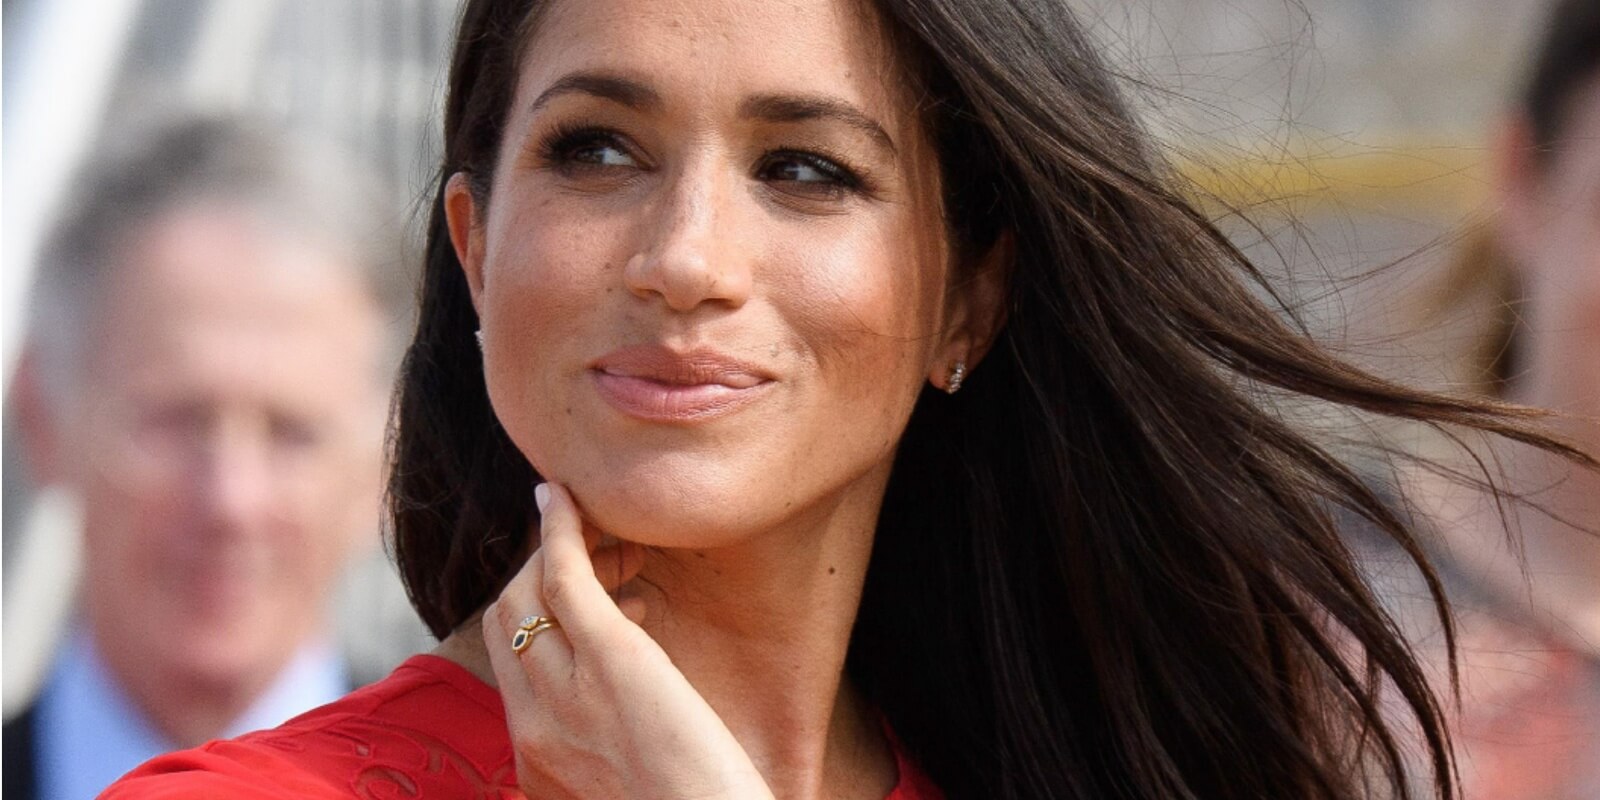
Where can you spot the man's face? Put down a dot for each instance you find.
(226, 440)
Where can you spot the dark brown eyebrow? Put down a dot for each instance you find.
(768, 107)
(616, 88)
(797, 108)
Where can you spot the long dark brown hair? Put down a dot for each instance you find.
(1107, 568)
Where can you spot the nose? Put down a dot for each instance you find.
(691, 254)
(236, 481)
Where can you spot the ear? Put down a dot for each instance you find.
(461, 213)
(977, 311)
(37, 421)
(1516, 183)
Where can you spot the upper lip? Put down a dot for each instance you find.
(692, 367)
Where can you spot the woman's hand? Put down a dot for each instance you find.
(595, 707)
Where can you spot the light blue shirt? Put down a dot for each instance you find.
(88, 732)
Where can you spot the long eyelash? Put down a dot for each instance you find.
(564, 137)
(836, 167)
(826, 165)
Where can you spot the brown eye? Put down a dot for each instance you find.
(602, 155)
(588, 148)
(798, 171)
(807, 173)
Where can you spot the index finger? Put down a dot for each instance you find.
(572, 592)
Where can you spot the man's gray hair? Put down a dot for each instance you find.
(302, 187)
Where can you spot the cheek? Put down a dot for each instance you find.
(865, 305)
(131, 535)
(866, 309)
(550, 279)
(543, 270)
(1569, 244)
(1568, 276)
(335, 521)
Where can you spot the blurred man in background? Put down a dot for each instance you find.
(206, 370)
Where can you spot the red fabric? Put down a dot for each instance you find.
(430, 730)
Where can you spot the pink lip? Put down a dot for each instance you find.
(658, 384)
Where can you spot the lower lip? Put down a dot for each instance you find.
(669, 402)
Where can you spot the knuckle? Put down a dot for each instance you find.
(558, 571)
(560, 590)
(502, 612)
(495, 612)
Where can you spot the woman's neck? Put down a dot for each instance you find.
(761, 630)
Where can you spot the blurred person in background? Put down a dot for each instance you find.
(1530, 283)
(206, 369)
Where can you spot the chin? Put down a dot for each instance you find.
(671, 514)
(212, 659)
(238, 635)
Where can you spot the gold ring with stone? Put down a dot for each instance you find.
(531, 627)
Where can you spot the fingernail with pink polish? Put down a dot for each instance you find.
(541, 496)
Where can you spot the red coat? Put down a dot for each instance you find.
(430, 730)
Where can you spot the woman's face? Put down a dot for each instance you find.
(711, 271)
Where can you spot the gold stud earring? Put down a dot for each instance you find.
(958, 373)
